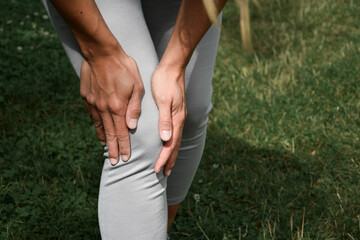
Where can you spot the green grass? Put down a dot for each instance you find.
(282, 159)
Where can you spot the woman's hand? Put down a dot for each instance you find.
(168, 80)
(110, 82)
(168, 90)
(111, 88)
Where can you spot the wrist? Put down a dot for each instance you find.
(98, 48)
(176, 56)
(172, 72)
(96, 41)
(173, 64)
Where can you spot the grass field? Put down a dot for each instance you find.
(282, 159)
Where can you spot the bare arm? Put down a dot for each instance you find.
(191, 25)
(88, 26)
(168, 80)
(110, 82)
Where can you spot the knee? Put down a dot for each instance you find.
(197, 117)
(137, 175)
(145, 139)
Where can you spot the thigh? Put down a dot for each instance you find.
(160, 16)
(132, 198)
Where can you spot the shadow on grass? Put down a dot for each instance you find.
(264, 194)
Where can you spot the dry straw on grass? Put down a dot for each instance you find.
(211, 10)
(245, 24)
(244, 19)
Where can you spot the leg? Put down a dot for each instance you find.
(172, 210)
(160, 17)
(132, 198)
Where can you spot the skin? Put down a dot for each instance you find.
(191, 25)
(111, 85)
(172, 210)
(110, 82)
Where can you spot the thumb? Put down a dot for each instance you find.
(165, 122)
(133, 111)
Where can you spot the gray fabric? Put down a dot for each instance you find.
(133, 199)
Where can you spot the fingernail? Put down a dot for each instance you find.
(168, 172)
(106, 154)
(165, 135)
(124, 157)
(133, 123)
(113, 161)
(106, 148)
(102, 143)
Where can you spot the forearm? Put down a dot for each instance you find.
(191, 25)
(88, 26)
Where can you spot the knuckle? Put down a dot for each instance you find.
(172, 148)
(91, 99)
(180, 118)
(163, 99)
(166, 120)
(117, 107)
(110, 136)
(122, 137)
(83, 93)
(183, 116)
(131, 61)
(98, 124)
(117, 120)
(101, 105)
(135, 108)
(141, 87)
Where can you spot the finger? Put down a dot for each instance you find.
(122, 132)
(165, 121)
(171, 161)
(164, 155)
(133, 109)
(99, 126)
(85, 75)
(110, 137)
(87, 107)
(168, 148)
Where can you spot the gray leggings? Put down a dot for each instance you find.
(133, 199)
